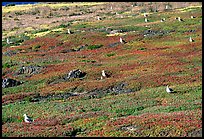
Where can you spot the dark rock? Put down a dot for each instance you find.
(75, 74)
(67, 51)
(9, 53)
(80, 48)
(29, 70)
(7, 82)
(116, 89)
(115, 31)
(195, 133)
(150, 33)
(114, 44)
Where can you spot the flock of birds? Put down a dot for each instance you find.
(104, 75)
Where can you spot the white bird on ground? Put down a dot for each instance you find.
(104, 75)
(179, 19)
(145, 15)
(111, 8)
(192, 16)
(8, 41)
(191, 40)
(27, 119)
(169, 90)
(98, 18)
(122, 41)
(68, 31)
(146, 20)
(163, 19)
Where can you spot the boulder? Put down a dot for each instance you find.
(7, 82)
(9, 53)
(29, 70)
(150, 33)
(75, 74)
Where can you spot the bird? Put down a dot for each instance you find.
(169, 90)
(8, 41)
(98, 18)
(68, 31)
(146, 20)
(163, 19)
(122, 41)
(179, 19)
(27, 119)
(104, 75)
(191, 40)
(145, 15)
(111, 7)
(192, 16)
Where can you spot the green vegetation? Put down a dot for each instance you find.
(92, 47)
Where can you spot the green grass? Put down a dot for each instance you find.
(92, 47)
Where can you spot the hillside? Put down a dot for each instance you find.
(53, 55)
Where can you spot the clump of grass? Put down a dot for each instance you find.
(35, 47)
(92, 47)
(8, 64)
(110, 54)
(142, 48)
(64, 25)
(88, 61)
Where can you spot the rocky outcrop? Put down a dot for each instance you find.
(150, 33)
(71, 75)
(74, 74)
(29, 70)
(9, 53)
(115, 89)
(7, 82)
(114, 44)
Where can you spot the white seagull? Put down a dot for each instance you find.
(179, 19)
(122, 41)
(192, 16)
(146, 20)
(8, 41)
(163, 19)
(27, 119)
(104, 75)
(98, 18)
(68, 31)
(169, 90)
(191, 40)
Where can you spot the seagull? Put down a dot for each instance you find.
(104, 75)
(98, 18)
(27, 119)
(122, 41)
(191, 40)
(146, 20)
(68, 31)
(192, 16)
(179, 19)
(169, 90)
(8, 41)
(163, 19)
